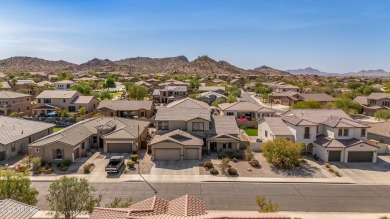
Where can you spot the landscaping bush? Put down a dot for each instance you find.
(67, 162)
(232, 171)
(337, 173)
(130, 164)
(254, 163)
(248, 154)
(331, 170)
(224, 164)
(303, 161)
(208, 164)
(214, 171)
(64, 168)
(282, 153)
(327, 165)
(134, 152)
(59, 165)
(36, 162)
(88, 167)
(134, 157)
(230, 154)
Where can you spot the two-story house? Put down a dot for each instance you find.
(63, 85)
(374, 102)
(71, 100)
(27, 86)
(245, 110)
(127, 108)
(169, 94)
(15, 102)
(290, 98)
(329, 133)
(16, 134)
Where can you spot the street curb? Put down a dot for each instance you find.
(278, 182)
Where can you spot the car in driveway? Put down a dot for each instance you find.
(115, 164)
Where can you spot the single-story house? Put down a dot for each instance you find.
(126, 108)
(216, 89)
(210, 96)
(379, 134)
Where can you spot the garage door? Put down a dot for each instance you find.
(360, 156)
(119, 147)
(166, 154)
(192, 154)
(334, 156)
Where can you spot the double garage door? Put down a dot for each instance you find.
(119, 147)
(360, 156)
(174, 154)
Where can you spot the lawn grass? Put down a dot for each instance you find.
(250, 131)
(57, 129)
(116, 94)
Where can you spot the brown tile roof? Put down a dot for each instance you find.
(10, 95)
(320, 97)
(210, 88)
(380, 128)
(337, 122)
(294, 120)
(186, 206)
(188, 103)
(277, 126)
(182, 114)
(378, 96)
(149, 207)
(109, 213)
(82, 100)
(243, 106)
(316, 115)
(361, 99)
(224, 124)
(125, 105)
(328, 142)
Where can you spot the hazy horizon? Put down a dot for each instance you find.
(329, 35)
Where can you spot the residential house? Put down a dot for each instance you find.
(112, 134)
(374, 102)
(281, 87)
(12, 209)
(15, 102)
(184, 207)
(153, 82)
(290, 98)
(63, 85)
(40, 75)
(172, 82)
(27, 86)
(218, 81)
(250, 86)
(210, 96)
(245, 110)
(224, 134)
(329, 133)
(127, 108)
(169, 94)
(216, 89)
(71, 100)
(188, 103)
(379, 134)
(252, 77)
(239, 82)
(5, 85)
(17, 133)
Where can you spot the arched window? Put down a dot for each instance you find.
(59, 153)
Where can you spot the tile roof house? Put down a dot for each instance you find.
(188, 103)
(26, 86)
(70, 100)
(11, 209)
(184, 207)
(247, 110)
(64, 84)
(15, 102)
(113, 134)
(290, 98)
(5, 85)
(169, 94)
(224, 134)
(379, 134)
(210, 96)
(216, 89)
(16, 134)
(374, 102)
(329, 133)
(127, 108)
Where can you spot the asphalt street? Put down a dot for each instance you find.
(240, 196)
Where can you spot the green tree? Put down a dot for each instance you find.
(265, 206)
(194, 83)
(310, 104)
(137, 92)
(64, 113)
(282, 153)
(83, 88)
(82, 110)
(347, 105)
(17, 186)
(354, 85)
(117, 203)
(105, 95)
(382, 114)
(195, 96)
(249, 154)
(110, 82)
(387, 87)
(231, 99)
(235, 91)
(218, 101)
(71, 196)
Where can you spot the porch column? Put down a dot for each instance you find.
(208, 146)
(238, 145)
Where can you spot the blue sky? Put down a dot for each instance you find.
(330, 35)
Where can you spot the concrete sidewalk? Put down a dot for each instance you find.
(334, 215)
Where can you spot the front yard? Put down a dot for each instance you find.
(250, 131)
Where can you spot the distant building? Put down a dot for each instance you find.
(169, 94)
(15, 102)
(126, 108)
(63, 85)
(374, 102)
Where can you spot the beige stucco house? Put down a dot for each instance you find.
(127, 108)
(112, 134)
(16, 134)
(374, 102)
(15, 102)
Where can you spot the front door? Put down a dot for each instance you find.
(2, 155)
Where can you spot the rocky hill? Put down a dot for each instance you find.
(101, 65)
(364, 73)
(271, 71)
(146, 64)
(20, 63)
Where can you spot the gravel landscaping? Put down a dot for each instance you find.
(146, 164)
(307, 170)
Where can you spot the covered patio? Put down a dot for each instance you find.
(223, 142)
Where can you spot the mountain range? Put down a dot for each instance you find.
(363, 73)
(203, 65)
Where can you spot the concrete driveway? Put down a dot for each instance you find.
(365, 170)
(185, 167)
(102, 161)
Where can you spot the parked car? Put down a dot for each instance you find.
(115, 163)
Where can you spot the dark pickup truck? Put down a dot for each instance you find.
(115, 164)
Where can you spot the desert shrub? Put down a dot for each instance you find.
(224, 164)
(266, 206)
(331, 170)
(337, 173)
(384, 217)
(230, 154)
(214, 171)
(64, 168)
(134, 157)
(130, 164)
(36, 162)
(249, 154)
(208, 164)
(67, 162)
(327, 165)
(59, 165)
(254, 163)
(232, 171)
(303, 161)
(88, 167)
(282, 153)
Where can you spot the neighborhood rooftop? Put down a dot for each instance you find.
(52, 94)
(182, 114)
(9, 95)
(125, 105)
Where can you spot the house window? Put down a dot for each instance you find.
(266, 133)
(229, 145)
(363, 132)
(340, 132)
(142, 114)
(13, 147)
(64, 100)
(39, 100)
(346, 132)
(197, 126)
(163, 125)
(46, 100)
(223, 145)
(59, 154)
(307, 133)
(30, 138)
(343, 132)
(82, 146)
(36, 150)
(28, 108)
(382, 140)
(71, 108)
(94, 139)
